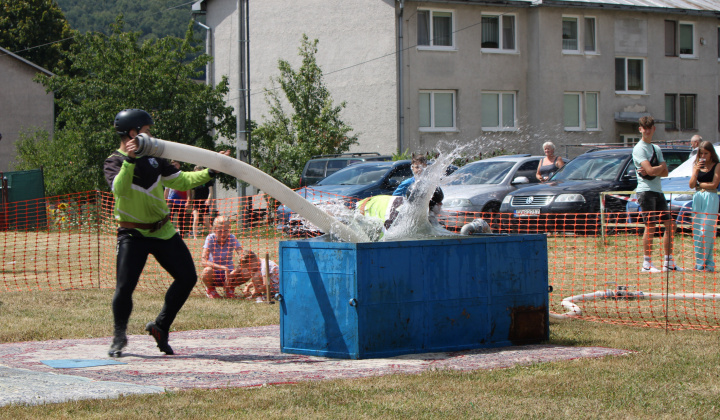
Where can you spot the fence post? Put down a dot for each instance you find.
(98, 208)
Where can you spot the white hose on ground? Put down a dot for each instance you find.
(574, 310)
(150, 146)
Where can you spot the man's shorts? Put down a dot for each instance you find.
(653, 205)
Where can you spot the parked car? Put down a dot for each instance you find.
(322, 166)
(481, 186)
(576, 189)
(355, 182)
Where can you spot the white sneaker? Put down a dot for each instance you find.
(649, 269)
(672, 267)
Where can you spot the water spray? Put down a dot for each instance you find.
(150, 146)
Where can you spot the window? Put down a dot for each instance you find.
(437, 110)
(718, 43)
(590, 35)
(681, 110)
(629, 75)
(679, 39)
(435, 29)
(571, 36)
(687, 112)
(670, 38)
(687, 39)
(670, 112)
(498, 111)
(498, 33)
(580, 111)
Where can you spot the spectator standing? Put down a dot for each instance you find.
(143, 215)
(549, 164)
(650, 164)
(178, 203)
(418, 165)
(201, 199)
(705, 179)
(695, 143)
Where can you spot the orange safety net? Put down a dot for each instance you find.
(594, 260)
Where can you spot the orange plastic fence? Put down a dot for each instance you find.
(68, 242)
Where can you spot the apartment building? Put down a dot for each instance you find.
(497, 74)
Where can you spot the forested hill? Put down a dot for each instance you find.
(154, 18)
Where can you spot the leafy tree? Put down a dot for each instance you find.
(282, 144)
(154, 18)
(32, 29)
(115, 72)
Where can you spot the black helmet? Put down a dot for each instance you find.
(437, 197)
(127, 119)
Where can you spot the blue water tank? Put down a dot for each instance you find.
(381, 299)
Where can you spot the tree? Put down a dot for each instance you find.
(282, 144)
(35, 30)
(115, 72)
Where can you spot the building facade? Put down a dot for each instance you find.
(418, 75)
(24, 104)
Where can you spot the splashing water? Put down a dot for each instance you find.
(414, 219)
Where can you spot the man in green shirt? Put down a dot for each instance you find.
(142, 213)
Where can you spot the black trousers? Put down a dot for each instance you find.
(172, 254)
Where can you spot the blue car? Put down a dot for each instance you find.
(347, 186)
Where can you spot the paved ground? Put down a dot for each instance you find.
(62, 370)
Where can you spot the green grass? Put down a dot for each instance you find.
(672, 374)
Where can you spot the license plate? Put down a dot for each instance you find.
(527, 212)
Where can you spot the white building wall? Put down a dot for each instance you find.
(356, 52)
(24, 106)
(358, 41)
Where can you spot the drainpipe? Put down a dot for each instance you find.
(240, 109)
(400, 101)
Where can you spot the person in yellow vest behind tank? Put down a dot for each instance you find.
(385, 207)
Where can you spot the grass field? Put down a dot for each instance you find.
(672, 374)
(59, 285)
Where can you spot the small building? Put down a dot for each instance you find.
(24, 104)
(508, 74)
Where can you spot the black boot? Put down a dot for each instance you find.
(160, 336)
(119, 342)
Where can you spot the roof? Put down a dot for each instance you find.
(704, 5)
(4, 52)
(701, 7)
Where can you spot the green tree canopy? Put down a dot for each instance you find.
(32, 29)
(111, 73)
(282, 144)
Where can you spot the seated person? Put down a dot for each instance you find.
(252, 271)
(217, 260)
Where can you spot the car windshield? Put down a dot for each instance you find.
(482, 173)
(356, 175)
(605, 168)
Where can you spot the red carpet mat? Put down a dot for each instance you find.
(245, 357)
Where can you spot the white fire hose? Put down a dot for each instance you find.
(150, 146)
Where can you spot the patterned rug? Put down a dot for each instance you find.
(238, 357)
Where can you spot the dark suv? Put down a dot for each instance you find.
(577, 186)
(322, 166)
